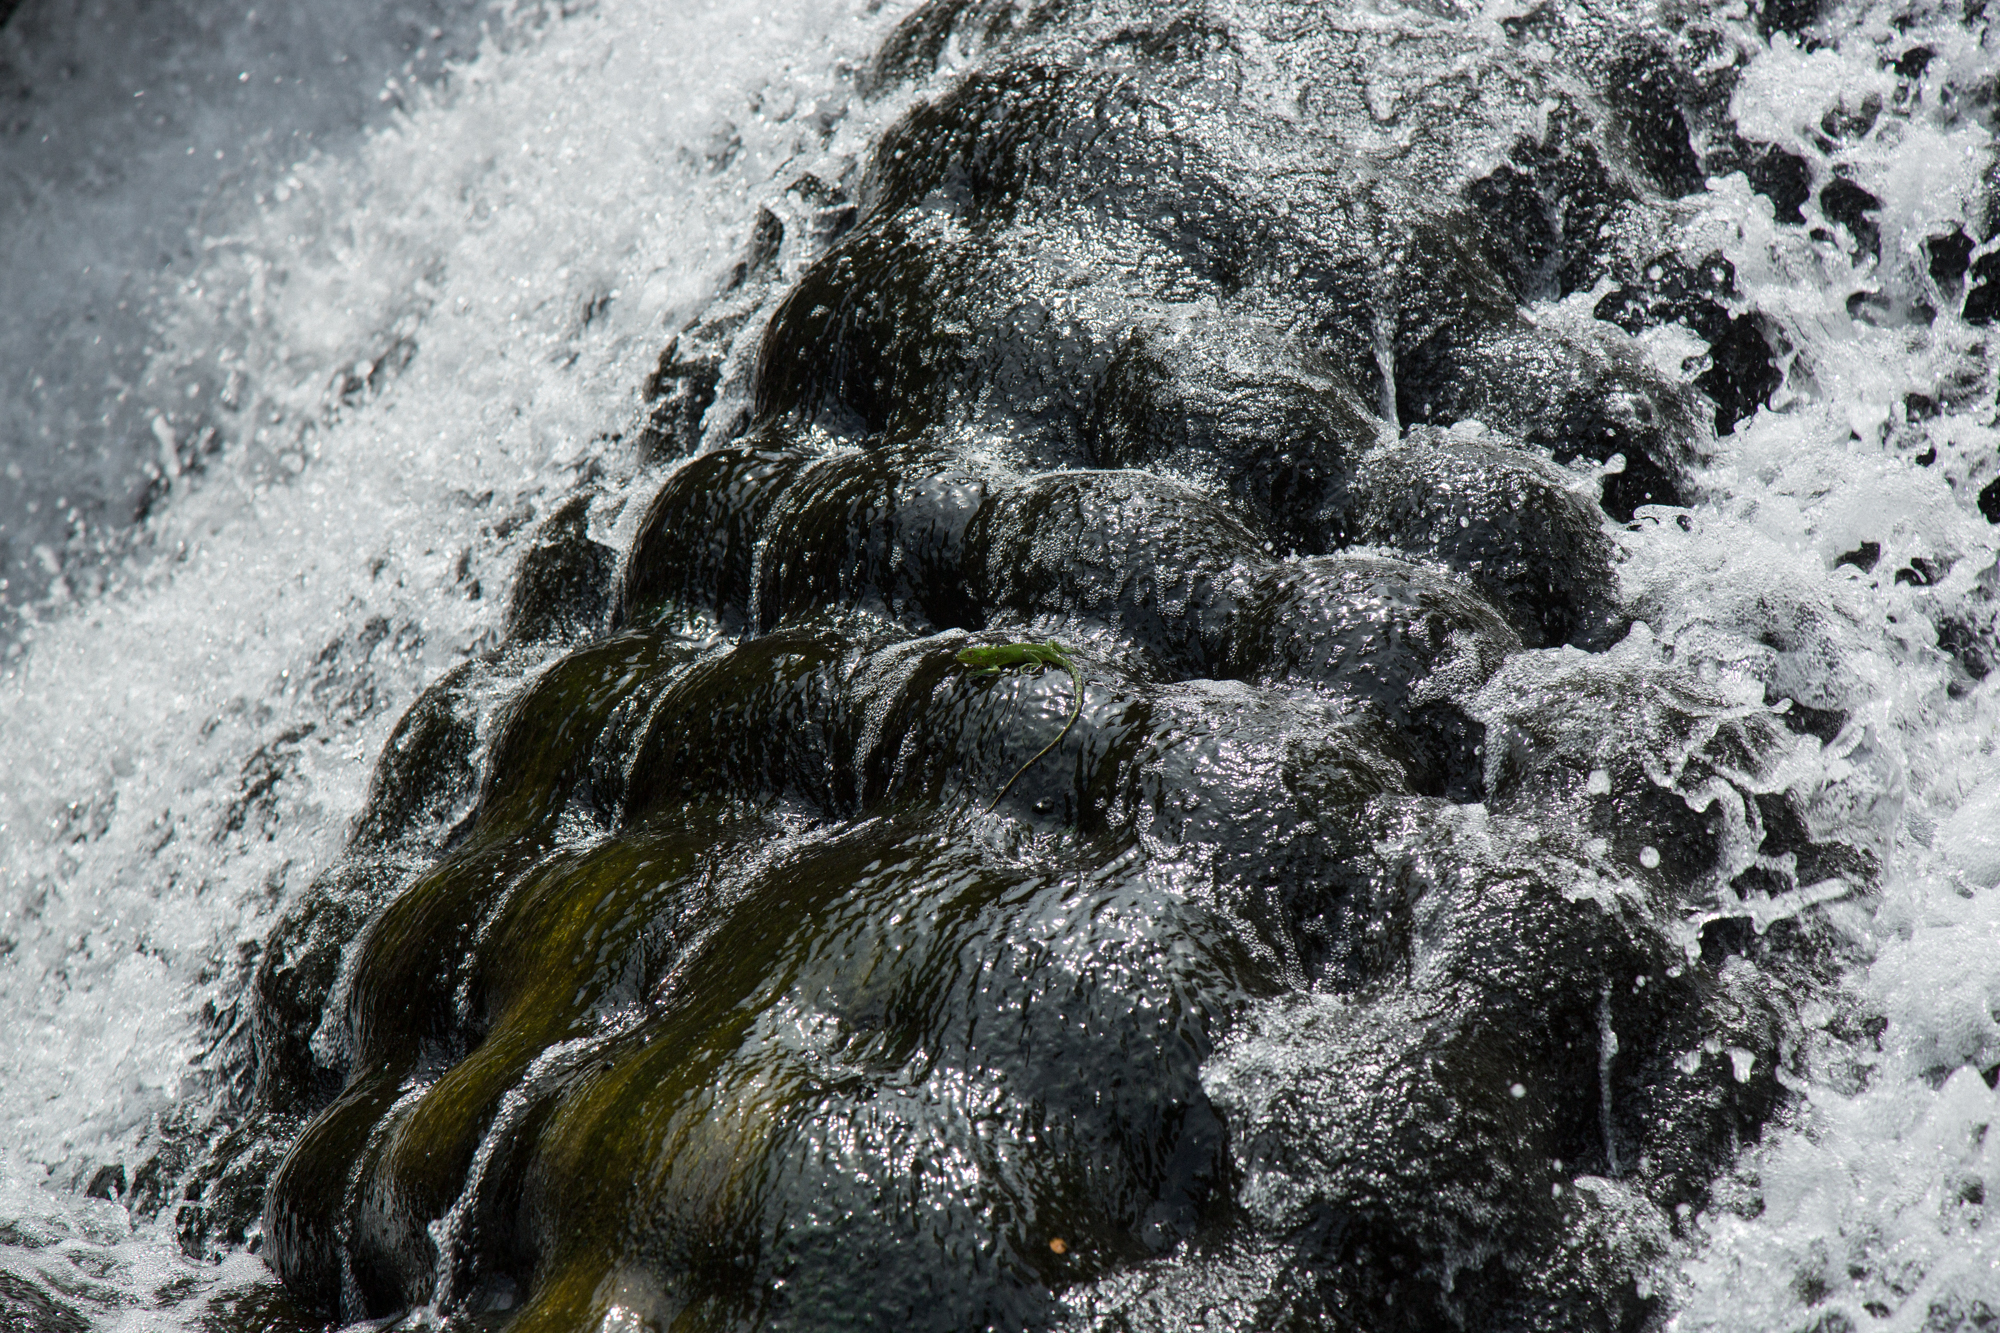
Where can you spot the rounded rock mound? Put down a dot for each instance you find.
(1342, 966)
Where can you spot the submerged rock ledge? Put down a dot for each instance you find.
(1397, 941)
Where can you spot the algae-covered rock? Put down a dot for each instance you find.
(1331, 956)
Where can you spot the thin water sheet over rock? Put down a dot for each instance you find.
(1396, 938)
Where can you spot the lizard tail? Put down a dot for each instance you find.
(1076, 710)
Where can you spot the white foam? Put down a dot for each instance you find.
(183, 755)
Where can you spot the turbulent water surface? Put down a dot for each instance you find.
(504, 837)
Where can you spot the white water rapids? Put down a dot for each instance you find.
(384, 355)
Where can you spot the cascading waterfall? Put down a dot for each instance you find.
(429, 361)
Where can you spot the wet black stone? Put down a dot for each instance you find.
(1862, 557)
(107, 1182)
(260, 1308)
(427, 767)
(1989, 501)
(1843, 202)
(1822, 723)
(562, 585)
(1648, 88)
(1546, 207)
(28, 1307)
(679, 393)
(914, 48)
(296, 973)
(1874, 308)
(1982, 296)
(884, 530)
(1948, 257)
(1922, 572)
(1726, 937)
(1278, 439)
(1962, 639)
(1744, 373)
(692, 558)
(1508, 522)
(1787, 16)
(1387, 635)
(1840, 122)
(1741, 374)
(1668, 290)
(1780, 176)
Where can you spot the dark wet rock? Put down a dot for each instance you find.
(1649, 89)
(914, 49)
(427, 768)
(1156, 563)
(107, 1182)
(258, 1308)
(1982, 290)
(562, 584)
(1509, 521)
(678, 395)
(1741, 373)
(1401, 640)
(1846, 204)
(1360, 934)
(1787, 16)
(692, 560)
(1989, 501)
(1275, 435)
(296, 973)
(1571, 395)
(1947, 257)
(1782, 177)
(1545, 206)
(885, 530)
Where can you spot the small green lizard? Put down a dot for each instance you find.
(1036, 657)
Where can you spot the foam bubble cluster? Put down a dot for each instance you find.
(411, 351)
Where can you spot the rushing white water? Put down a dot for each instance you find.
(417, 344)
(136, 135)
(420, 344)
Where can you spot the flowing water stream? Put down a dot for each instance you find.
(383, 365)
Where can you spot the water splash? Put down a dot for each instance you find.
(430, 340)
